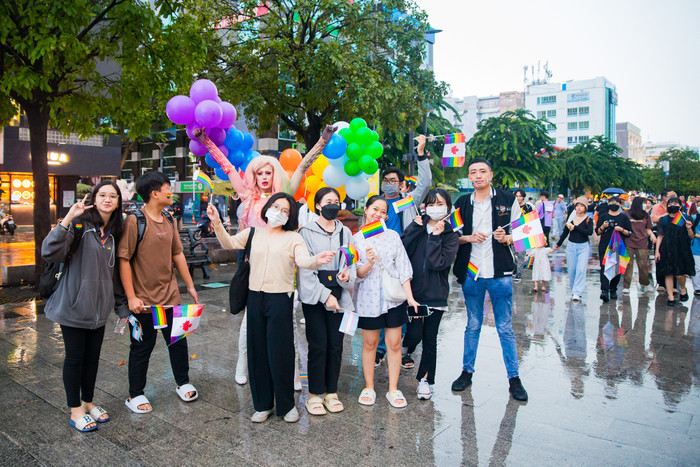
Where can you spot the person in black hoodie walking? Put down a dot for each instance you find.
(432, 246)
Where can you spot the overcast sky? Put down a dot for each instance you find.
(649, 49)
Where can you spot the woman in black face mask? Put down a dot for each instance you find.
(673, 253)
(608, 222)
(324, 294)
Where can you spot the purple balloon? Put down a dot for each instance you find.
(216, 134)
(224, 150)
(180, 110)
(202, 90)
(190, 129)
(208, 114)
(229, 116)
(197, 148)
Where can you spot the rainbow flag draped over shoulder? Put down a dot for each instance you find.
(616, 257)
(455, 138)
(159, 319)
(351, 254)
(456, 220)
(403, 204)
(185, 321)
(527, 232)
(204, 179)
(678, 219)
(372, 229)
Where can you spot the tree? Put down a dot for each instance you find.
(594, 165)
(683, 176)
(307, 63)
(516, 145)
(75, 65)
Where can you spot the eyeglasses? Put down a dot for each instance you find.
(391, 181)
(284, 211)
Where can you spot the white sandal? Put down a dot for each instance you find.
(393, 396)
(98, 412)
(133, 404)
(184, 389)
(367, 393)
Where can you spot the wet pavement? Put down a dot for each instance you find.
(17, 249)
(613, 384)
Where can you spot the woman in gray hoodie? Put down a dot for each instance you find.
(87, 292)
(323, 294)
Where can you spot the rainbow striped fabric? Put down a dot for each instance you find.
(530, 262)
(403, 204)
(185, 321)
(524, 219)
(678, 219)
(351, 254)
(412, 179)
(456, 219)
(455, 138)
(616, 257)
(472, 271)
(204, 179)
(159, 319)
(527, 232)
(372, 229)
(453, 161)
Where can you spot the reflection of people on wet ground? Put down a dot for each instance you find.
(575, 349)
(609, 349)
(694, 330)
(484, 247)
(672, 352)
(541, 309)
(636, 358)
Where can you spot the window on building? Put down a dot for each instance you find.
(546, 100)
(551, 127)
(551, 114)
(581, 139)
(571, 140)
(584, 125)
(541, 113)
(572, 112)
(573, 126)
(583, 110)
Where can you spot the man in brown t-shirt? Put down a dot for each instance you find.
(147, 274)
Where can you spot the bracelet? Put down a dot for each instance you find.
(63, 227)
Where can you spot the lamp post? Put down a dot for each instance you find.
(665, 165)
(162, 147)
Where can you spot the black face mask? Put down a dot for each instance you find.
(614, 207)
(674, 209)
(330, 211)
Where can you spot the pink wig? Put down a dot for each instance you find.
(253, 193)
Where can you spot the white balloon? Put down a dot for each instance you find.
(357, 188)
(334, 177)
(340, 125)
(339, 162)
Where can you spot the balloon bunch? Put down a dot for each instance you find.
(205, 109)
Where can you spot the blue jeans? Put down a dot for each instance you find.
(501, 293)
(577, 264)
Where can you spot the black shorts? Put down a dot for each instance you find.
(393, 318)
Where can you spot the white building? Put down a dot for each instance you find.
(578, 110)
(473, 109)
(652, 151)
(629, 138)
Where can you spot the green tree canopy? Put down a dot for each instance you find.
(516, 144)
(683, 176)
(76, 64)
(308, 63)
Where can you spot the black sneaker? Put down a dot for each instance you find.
(671, 302)
(604, 297)
(683, 297)
(407, 362)
(613, 295)
(517, 390)
(463, 382)
(378, 357)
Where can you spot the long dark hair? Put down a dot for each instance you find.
(293, 220)
(114, 225)
(637, 211)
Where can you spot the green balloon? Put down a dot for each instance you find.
(347, 135)
(357, 123)
(363, 136)
(375, 149)
(354, 151)
(375, 136)
(368, 165)
(352, 168)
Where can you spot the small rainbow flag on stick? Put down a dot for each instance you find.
(472, 271)
(200, 176)
(185, 321)
(412, 179)
(159, 319)
(678, 219)
(403, 204)
(351, 254)
(456, 220)
(372, 229)
(455, 138)
(136, 331)
(453, 161)
(527, 232)
(530, 262)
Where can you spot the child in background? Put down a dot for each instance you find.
(541, 268)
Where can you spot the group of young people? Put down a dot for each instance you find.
(128, 266)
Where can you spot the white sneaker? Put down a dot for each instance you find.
(424, 391)
(259, 417)
(241, 371)
(626, 291)
(292, 416)
(575, 298)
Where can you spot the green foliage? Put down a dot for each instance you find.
(593, 165)
(516, 144)
(82, 189)
(684, 172)
(308, 63)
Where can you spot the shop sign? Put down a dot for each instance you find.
(189, 187)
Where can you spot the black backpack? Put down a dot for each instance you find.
(238, 290)
(52, 273)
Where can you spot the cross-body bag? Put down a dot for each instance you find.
(238, 290)
(392, 288)
(329, 277)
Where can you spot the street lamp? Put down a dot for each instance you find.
(162, 147)
(665, 165)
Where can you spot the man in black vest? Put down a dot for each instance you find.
(484, 244)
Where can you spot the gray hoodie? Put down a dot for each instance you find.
(89, 289)
(311, 291)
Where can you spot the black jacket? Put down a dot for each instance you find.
(431, 257)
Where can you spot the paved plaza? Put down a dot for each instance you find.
(613, 384)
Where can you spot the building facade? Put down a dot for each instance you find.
(472, 109)
(629, 139)
(577, 110)
(652, 151)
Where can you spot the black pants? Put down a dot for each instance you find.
(546, 230)
(325, 348)
(271, 350)
(605, 284)
(425, 329)
(140, 354)
(80, 364)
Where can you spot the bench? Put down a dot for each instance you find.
(196, 252)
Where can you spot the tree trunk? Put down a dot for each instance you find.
(38, 118)
(313, 132)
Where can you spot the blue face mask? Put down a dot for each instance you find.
(389, 189)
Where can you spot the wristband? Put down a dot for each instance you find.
(63, 227)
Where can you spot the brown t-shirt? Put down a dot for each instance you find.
(152, 270)
(639, 238)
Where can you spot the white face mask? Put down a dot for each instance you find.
(436, 212)
(275, 218)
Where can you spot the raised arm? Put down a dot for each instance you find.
(310, 158)
(236, 180)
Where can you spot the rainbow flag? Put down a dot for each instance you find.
(524, 219)
(527, 232)
(455, 138)
(472, 271)
(200, 176)
(678, 219)
(372, 229)
(185, 321)
(159, 319)
(412, 179)
(351, 254)
(453, 161)
(456, 220)
(616, 257)
(530, 262)
(403, 204)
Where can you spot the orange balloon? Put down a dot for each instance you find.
(313, 183)
(301, 192)
(310, 201)
(290, 159)
(320, 165)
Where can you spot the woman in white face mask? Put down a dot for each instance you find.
(431, 245)
(273, 252)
